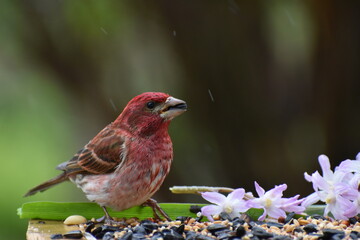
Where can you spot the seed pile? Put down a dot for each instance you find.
(311, 228)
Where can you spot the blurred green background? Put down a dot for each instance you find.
(270, 85)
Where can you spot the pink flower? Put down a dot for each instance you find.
(233, 204)
(273, 204)
(337, 189)
(350, 165)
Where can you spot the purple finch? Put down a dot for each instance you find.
(125, 163)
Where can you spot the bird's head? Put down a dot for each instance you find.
(149, 112)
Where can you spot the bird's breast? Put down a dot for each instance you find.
(144, 167)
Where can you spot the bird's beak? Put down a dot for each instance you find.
(173, 107)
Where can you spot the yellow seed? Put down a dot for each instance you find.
(195, 228)
(315, 221)
(216, 217)
(191, 220)
(321, 225)
(289, 228)
(343, 226)
(274, 229)
(329, 225)
(201, 225)
(303, 221)
(74, 219)
(296, 223)
(246, 226)
(357, 228)
(177, 223)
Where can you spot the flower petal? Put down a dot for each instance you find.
(307, 177)
(240, 206)
(260, 191)
(262, 217)
(237, 194)
(350, 165)
(254, 203)
(352, 211)
(346, 190)
(214, 197)
(275, 212)
(292, 204)
(355, 181)
(341, 207)
(311, 199)
(325, 166)
(276, 192)
(210, 210)
(319, 183)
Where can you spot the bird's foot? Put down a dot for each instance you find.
(156, 208)
(105, 220)
(108, 220)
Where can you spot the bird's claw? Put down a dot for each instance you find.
(107, 219)
(156, 208)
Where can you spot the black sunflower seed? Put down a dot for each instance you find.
(275, 224)
(182, 219)
(281, 237)
(195, 208)
(140, 229)
(108, 236)
(354, 235)
(138, 236)
(261, 233)
(172, 235)
(225, 216)
(331, 233)
(157, 235)
(126, 236)
(310, 228)
(180, 229)
(289, 217)
(240, 231)
(56, 236)
(89, 226)
(215, 227)
(76, 234)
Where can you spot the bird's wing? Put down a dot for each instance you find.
(101, 155)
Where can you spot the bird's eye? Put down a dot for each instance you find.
(150, 105)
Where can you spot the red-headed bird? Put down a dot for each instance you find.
(126, 162)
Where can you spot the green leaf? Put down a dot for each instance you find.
(315, 209)
(61, 210)
(255, 213)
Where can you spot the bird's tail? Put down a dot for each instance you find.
(44, 186)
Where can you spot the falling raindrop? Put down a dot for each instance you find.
(113, 105)
(233, 7)
(291, 19)
(104, 31)
(211, 96)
